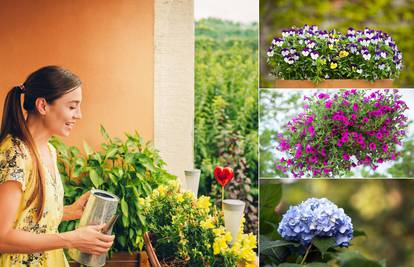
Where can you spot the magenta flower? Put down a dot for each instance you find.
(385, 147)
(379, 135)
(365, 120)
(372, 146)
(354, 116)
(328, 104)
(345, 156)
(355, 107)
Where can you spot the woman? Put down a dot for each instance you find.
(31, 191)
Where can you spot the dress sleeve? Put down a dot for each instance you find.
(15, 162)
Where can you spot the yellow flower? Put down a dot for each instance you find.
(219, 231)
(162, 189)
(180, 198)
(207, 224)
(188, 195)
(204, 203)
(248, 255)
(251, 265)
(343, 54)
(220, 245)
(141, 201)
(174, 184)
(334, 65)
(331, 46)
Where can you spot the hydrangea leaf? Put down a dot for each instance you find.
(317, 264)
(323, 244)
(359, 233)
(352, 259)
(265, 245)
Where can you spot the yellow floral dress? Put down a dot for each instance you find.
(16, 165)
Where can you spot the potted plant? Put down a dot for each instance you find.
(341, 130)
(186, 231)
(130, 169)
(308, 57)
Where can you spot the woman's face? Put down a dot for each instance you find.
(64, 112)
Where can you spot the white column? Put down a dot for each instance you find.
(174, 83)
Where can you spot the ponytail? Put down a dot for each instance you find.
(14, 123)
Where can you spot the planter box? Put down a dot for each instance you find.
(123, 259)
(334, 84)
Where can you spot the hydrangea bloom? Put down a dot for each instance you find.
(367, 54)
(316, 218)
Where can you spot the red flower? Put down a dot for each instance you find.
(223, 175)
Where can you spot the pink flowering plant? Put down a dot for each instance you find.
(339, 131)
(311, 54)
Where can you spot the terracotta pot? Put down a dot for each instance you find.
(124, 259)
(334, 84)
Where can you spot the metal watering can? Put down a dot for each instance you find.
(101, 208)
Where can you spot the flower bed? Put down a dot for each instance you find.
(339, 131)
(187, 231)
(311, 54)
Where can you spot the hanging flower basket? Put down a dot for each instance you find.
(358, 59)
(337, 132)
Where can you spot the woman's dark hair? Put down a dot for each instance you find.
(50, 83)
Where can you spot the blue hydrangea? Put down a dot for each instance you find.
(316, 217)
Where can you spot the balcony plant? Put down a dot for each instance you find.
(309, 57)
(187, 231)
(339, 131)
(130, 169)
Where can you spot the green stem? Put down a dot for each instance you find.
(306, 254)
(222, 198)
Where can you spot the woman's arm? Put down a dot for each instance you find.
(87, 239)
(75, 210)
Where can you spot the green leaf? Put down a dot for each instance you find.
(270, 195)
(265, 245)
(289, 265)
(358, 233)
(352, 259)
(111, 152)
(317, 264)
(88, 149)
(323, 244)
(95, 178)
(104, 133)
(124, 207)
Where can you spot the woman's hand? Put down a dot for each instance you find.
(75, 211)
(89, 239)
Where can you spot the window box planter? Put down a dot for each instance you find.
(124, 259)
(334, 83)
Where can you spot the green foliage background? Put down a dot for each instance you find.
(226, 117)
(394, 17)
(383, 209)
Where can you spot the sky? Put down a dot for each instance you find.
(244, 11)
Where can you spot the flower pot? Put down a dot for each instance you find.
(334, 84)
(124, 259)
(233, 212)
(192, 181)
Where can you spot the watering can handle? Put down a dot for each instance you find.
(110, 223)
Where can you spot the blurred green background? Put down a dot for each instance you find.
(226, 117)
(384, 209)
(395, 17)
